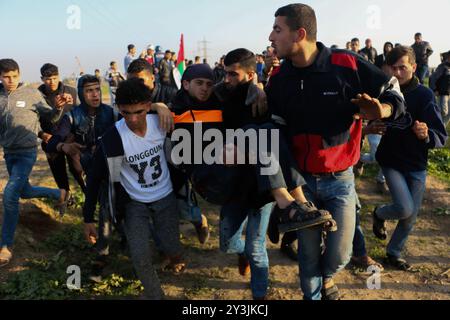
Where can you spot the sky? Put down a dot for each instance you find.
(98, 31)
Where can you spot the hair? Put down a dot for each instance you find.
(298, 16)
(111, 63)
(418, 34)
(244, 57)
(132, 91)
(49, 70)
(398, 53)
(8, 65)
(140, 65)
(131, 46)
(355, 40)
(87, 79)
(97, 70)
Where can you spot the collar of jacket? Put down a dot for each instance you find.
(410, 86)
(43, 88)
(85, 108)
(321, 64)
(3, 89)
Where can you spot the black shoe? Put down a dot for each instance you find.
(379, 226)
(289, 251)
(306, 216)
(398, 263)
(272, 230)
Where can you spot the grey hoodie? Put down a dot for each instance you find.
(19, 118)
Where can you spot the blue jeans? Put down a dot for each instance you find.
(335, 193)
(370, 158)
(422, 72)
(19, 166)
(359, 242)
(233, 218)
(407, 190)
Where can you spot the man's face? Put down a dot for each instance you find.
(200, 89)
(167, 56)
(369, 43)
(150, 52)
(355, 46)
(114, 66)
(282, 38)
(418, 39)
(133, 51)
(403, 70)
(10, 80)
(92, 94)
(51, 82)
(147, 77)
(388, 48)
(135, 115)
(236, 76)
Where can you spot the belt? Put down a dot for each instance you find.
(326, 174)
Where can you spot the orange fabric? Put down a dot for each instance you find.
(200, 116)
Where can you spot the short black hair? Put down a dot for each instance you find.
(8, 65)
(49, 70)
(111, 63)
(418, 34)
(400, 52)
(131, 46)
(132, 91)
(355, 40)
(244, 57)
(299, 15)
(140, 65)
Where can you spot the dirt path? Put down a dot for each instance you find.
(213, 275)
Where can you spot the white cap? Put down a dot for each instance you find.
(151, 47)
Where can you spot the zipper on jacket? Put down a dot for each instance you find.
(308, 147)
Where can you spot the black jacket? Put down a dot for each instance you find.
(400, 148)
(314, 104)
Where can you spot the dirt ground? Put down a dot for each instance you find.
(213, 275)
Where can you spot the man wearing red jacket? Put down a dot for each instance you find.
(316, 95)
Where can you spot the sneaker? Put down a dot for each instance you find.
(289, 251)
(379, 226)
(306, 216)
(244, 265)
(398, 263)
(202, 230)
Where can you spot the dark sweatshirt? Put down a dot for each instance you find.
(400, 149)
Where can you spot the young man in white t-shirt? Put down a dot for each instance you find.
(131, 155)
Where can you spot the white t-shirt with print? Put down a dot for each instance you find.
(145, 174)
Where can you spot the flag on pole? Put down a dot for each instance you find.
(181, 64)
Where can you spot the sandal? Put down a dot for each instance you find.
(365, 262)
(5, 256)
(176, 265)
(330, 291)
(306, 216)
(62, 205)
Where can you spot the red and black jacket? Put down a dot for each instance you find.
(314, 105)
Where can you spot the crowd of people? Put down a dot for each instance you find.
(322, 102)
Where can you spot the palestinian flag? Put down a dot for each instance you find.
(181, 65)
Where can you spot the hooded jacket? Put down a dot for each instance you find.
(20, 112)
